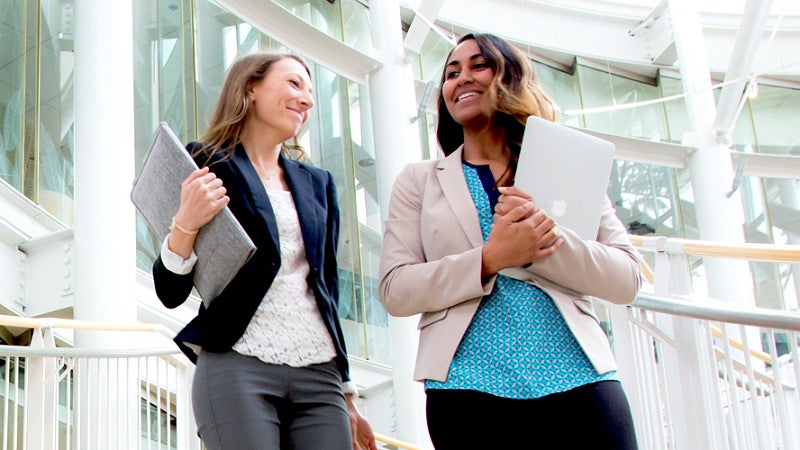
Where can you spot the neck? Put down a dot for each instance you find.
(261, 149)
(486, 145)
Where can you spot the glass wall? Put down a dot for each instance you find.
(36, 103)
(344, 20)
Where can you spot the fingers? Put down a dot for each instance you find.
(515, 191)
(515, 214)
(195, 175)
(203, 195)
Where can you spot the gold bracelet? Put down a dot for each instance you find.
(175, 226)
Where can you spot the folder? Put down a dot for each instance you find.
(222, 246)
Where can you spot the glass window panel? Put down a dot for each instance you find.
(645, 198)
(563, 89)
(432, 58)
(776, 115)
(677, 119)
(13, 58)
(743, 137)
(356, 23)
(164, 88)
(321, 14)
(338, 143)
(783, 209)
(605, 89)
(55, 161)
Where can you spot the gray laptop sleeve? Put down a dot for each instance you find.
(222, 245)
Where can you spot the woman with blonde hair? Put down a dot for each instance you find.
(511, 352)
(272, 369)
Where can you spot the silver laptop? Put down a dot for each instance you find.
(566, 171)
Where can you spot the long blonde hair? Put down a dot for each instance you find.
(224, 130)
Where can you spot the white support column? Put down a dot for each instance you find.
(719, 218)
(105, 234)
(392, 100)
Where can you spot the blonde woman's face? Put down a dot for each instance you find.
(467, 81)
(280, 102)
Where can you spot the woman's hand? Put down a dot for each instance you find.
(202, 197)
(360, 429)
(521, 234)
(510, 198)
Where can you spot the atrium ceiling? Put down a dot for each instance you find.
(626, 35)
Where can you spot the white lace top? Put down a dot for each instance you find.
(287, 328)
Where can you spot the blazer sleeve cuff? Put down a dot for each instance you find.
(349, 387)
(175, 262)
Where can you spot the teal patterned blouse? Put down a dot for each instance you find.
(518, 345)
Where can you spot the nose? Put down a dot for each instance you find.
(465, 76)
(306, 100)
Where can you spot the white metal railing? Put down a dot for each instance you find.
(691, 383)
(702, 373)
(54, 398)
(68, 398)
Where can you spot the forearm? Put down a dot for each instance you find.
(414, 287)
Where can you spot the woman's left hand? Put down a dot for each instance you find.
(360, 429)
(510, 198)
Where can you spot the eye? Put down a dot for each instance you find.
(451, 74)
(295, 82)
(480, 65)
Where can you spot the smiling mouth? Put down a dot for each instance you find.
(466, 95)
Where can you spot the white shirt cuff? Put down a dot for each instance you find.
(175, 262)
(349, 387)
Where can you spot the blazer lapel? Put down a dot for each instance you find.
(299, 181)
(454, 187)
(257, 193)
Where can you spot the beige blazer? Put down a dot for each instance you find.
(431, 264)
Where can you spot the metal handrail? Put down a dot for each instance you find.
(694, 247)
(741, 315)
(53, 322)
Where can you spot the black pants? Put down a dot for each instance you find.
(596, 416)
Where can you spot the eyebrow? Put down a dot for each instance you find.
(471, 58)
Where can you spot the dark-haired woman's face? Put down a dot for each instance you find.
(467, 80)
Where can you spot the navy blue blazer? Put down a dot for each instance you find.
(218, 327)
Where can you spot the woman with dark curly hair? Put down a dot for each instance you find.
(511, 352)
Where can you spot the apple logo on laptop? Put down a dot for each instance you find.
(558, 207)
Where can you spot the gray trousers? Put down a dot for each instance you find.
(243, 403)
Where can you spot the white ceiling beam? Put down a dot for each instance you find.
(278, 23)
(424, 16)
(768, 165)
(740, 64)
(656, 32)
(645, 151)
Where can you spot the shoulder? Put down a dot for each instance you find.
(317, 173)
(203, 157)
(418, 173)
